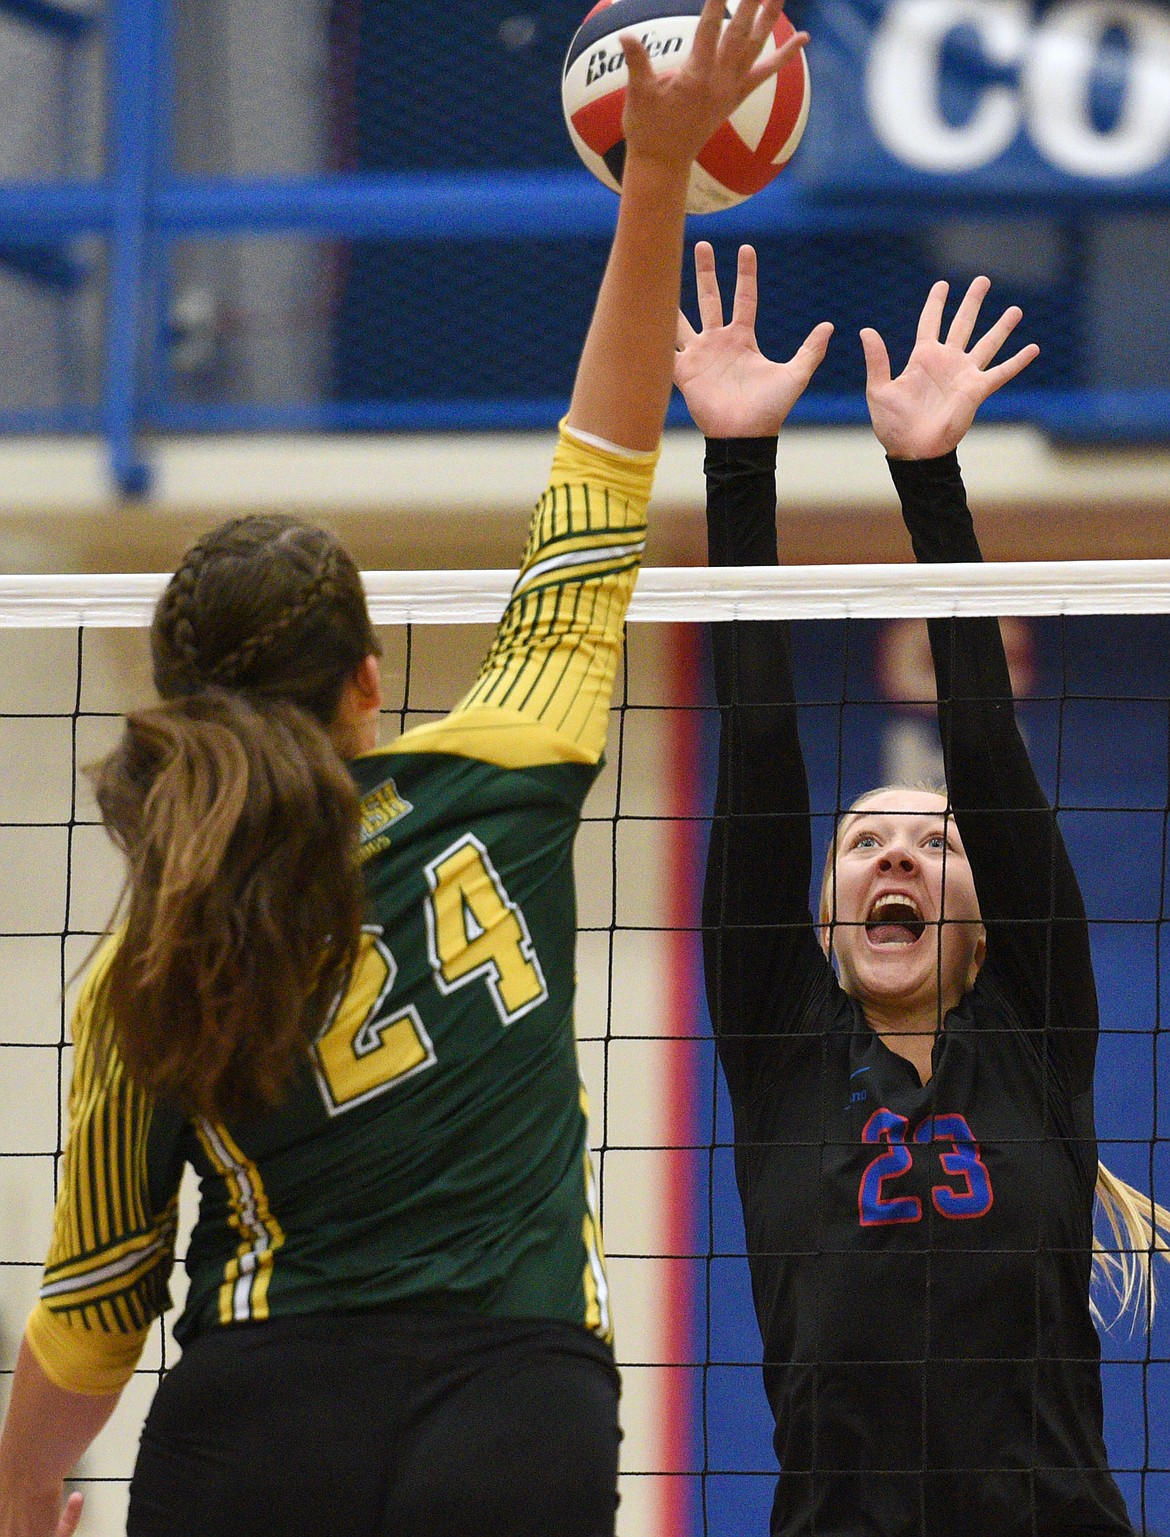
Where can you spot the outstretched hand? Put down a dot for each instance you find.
(731, 389)
(668, 117)
(925, 412)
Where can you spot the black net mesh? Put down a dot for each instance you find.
(698, 1459)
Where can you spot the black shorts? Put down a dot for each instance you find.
(383, 1425)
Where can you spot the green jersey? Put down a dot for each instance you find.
(433, 1150)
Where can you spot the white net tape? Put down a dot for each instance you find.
(674, 594)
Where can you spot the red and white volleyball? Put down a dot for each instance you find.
(753, 146)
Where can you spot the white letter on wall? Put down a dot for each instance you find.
(1056, 89)
(902, 82)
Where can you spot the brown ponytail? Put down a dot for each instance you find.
(243, 901)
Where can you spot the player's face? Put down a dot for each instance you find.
(905, 917)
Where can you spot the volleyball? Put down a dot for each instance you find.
(742, 156)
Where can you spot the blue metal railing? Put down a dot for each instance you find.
(140, 208)
(135, 55)
(57, 21)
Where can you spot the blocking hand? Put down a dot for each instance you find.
(668, 117)
(925, 412)
(731, 389)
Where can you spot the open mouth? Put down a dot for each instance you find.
(894, 920)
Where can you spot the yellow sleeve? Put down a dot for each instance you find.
(81, 1360)
(113, 1242)
(543, 693)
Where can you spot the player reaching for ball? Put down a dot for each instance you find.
(745, 153)
(342, 988)
(911, 1076)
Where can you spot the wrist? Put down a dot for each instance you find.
(27, 1488)
(666, 171)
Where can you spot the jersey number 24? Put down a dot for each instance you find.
(475, 933)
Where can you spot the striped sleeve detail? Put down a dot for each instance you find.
(594, 1279)
(557, 648)
(112, 1249)
(89, 1278)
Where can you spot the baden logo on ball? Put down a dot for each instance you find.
(743, 155)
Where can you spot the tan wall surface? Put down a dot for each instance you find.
(457, 501)
(622, 987)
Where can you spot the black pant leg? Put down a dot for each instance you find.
(524, 1446)
(268, 1431)
(396, 1425)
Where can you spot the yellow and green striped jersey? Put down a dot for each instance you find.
(433, 1151)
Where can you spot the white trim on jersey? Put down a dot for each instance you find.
(587, 557)
(86, 1279)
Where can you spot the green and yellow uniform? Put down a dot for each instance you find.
(433, 1151)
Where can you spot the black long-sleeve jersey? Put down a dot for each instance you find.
(920, 1254)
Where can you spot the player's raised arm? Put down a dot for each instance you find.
(548, 678)
(757, 931)
(623, 381)
(1027, 888)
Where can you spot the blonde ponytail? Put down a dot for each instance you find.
(1140, 1229)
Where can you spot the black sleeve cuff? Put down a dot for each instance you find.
(740, 456)
(741, 501)
(934, 507)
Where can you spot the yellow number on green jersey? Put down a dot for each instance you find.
(475, 930)
(367, 1046)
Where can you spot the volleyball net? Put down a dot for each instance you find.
(1089, 645)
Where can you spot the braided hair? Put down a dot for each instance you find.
(242, 908)
(270, 605)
